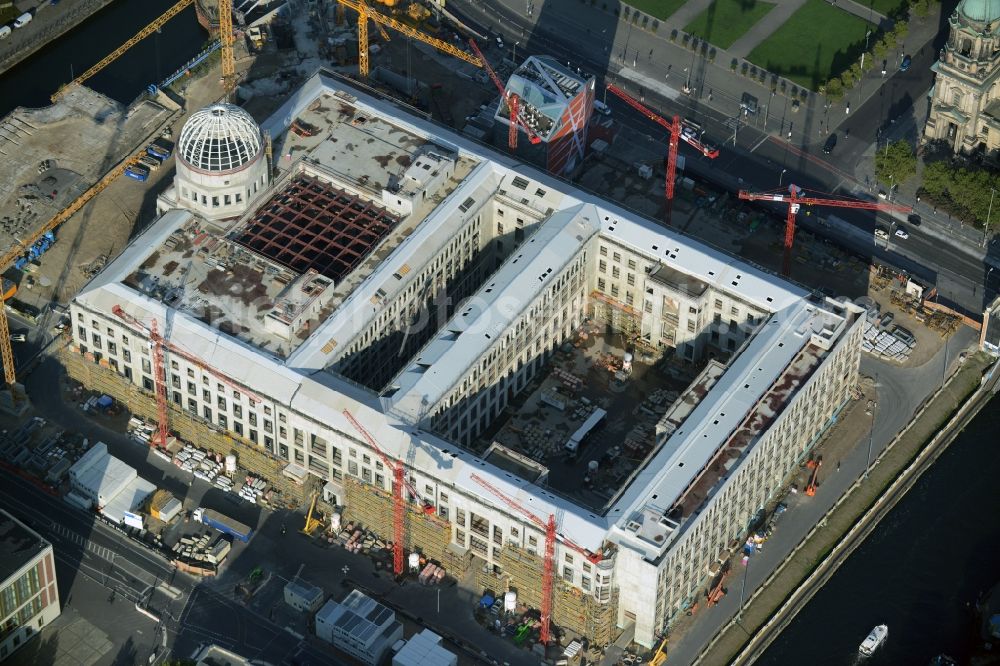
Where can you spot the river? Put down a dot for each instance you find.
(933, 554)
(33, 81)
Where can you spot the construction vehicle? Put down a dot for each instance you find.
(660, 655)
(365, 13)
(224, 524)
(814, 465)
(512, 101)
(794, 198)
(548, 570)
(399, 501)
(312, 522)
(718, 591)
(674, 130)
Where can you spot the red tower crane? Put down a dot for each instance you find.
(794, 199)
(159, 368)
(673, 128)
(399, 500)
(513, 103)
(549, 527)
(159, 374)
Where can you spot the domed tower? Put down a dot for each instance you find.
(965, 99)
(221, 165)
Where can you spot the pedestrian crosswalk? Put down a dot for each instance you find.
(75, 537)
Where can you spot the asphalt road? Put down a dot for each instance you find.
(762, 156)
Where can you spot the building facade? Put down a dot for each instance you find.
(536, 257)
(29, 595)
(965, 98)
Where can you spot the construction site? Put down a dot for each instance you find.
(440, 349)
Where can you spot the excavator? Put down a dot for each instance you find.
(814, 465)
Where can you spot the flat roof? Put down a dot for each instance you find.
(128, 499)
(342, 150)
(19, 545)
(472, 331)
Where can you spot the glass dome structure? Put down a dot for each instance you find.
(219, 138)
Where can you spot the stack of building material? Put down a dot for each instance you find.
(253, 488)
(431, 575)
(884, 344)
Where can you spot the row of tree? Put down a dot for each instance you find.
(966, 193)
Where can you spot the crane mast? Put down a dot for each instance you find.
(673, 127)
(794, 199)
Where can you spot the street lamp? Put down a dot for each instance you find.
(743, 588)
(989, 212)
(871, 434)
(781, 175)
(515, 53)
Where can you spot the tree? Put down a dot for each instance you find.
(937, 178)
(834, 89)
(896, 163)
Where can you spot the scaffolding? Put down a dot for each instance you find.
(101, 378)
(372, 507)
(623, 318)
(572, 609)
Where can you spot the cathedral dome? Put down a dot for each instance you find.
(981, 11)
(219, 138)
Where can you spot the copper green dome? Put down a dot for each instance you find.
(982, 11)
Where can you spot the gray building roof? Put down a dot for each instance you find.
(18, 544)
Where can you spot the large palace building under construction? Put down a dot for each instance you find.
(497, 331)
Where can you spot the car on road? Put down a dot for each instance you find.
(882, 233)
(914, 220)
(905, 64)
(901, 233)
(18, 337)
(602, 108)
(749, 104)
(831, 143)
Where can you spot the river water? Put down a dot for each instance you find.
(33, 81)
(933, 554)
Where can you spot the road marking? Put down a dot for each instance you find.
(758, 144)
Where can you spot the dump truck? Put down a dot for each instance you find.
(224, 524)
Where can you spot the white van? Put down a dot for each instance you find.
(601, 107)
(4, 31)
(23, 20)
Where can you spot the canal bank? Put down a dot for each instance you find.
(852, 518)
(49, 24)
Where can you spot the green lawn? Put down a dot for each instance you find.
(884, 7)
(803, 52)
(725, 21)
(661, 9)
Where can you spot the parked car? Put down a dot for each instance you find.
(905, 64)
(831, 143)
(23, 20)
(882, 233)
(914, 220)
(901, 233)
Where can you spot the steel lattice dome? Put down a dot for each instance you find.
(219, 138)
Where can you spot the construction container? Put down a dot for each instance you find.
(224, 524)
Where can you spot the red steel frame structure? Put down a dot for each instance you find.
(548, 570)
(312, 225)
(673, 127)
(794, 199)
(398, 499)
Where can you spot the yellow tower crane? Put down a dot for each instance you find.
(13, 253)
(365, 13)
(139, 36)
(226, 38)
